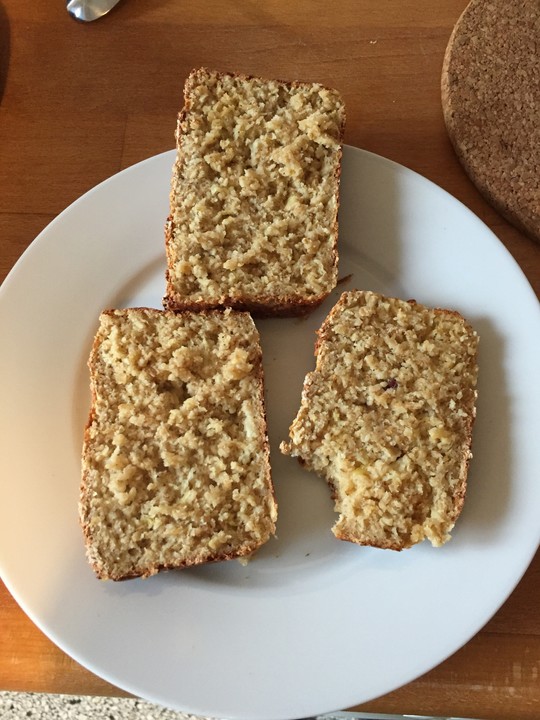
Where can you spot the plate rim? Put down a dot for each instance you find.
(42, 237)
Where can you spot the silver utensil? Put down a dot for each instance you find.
(88, 10)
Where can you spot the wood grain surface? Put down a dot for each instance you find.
(80, 102)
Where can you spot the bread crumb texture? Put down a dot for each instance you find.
(175, 457)
(386, 418)
(254, 196)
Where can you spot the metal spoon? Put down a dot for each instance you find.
(88, 10)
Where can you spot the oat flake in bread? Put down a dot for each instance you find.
(254, 196)
(386, 418)
(175, 457)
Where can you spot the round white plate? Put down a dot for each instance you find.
(311, 624)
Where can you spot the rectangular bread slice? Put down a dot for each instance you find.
(254, 196)
(386, 418)
(175, 467)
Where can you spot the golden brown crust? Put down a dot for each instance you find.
(98, 564)
(259, 305)
(324, 419)
(150, 570)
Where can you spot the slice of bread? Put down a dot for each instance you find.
(175, 467)
(254, 197)
(386, 418)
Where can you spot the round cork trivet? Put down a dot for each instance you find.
(491, 104)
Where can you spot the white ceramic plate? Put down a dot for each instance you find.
(312, 624)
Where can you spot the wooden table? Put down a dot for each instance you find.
(80, 102)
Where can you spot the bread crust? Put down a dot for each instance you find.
(459, 491)
(92, 552)
(260, 306)
(459, 494)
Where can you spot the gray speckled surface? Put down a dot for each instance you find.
(38, 706)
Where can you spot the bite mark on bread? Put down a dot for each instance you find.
(386, 418)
